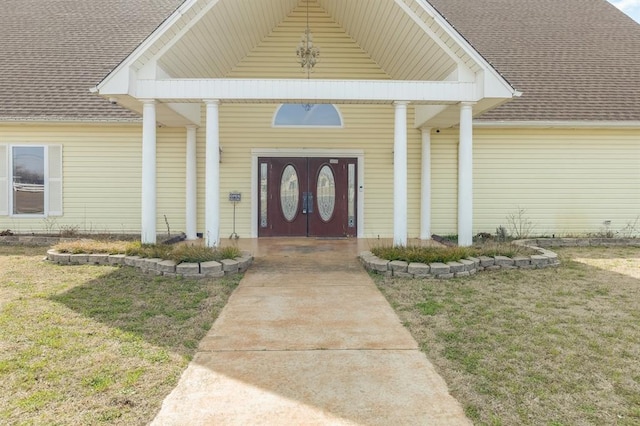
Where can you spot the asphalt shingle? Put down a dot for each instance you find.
(573, 59)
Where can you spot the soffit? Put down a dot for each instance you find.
(231, 29)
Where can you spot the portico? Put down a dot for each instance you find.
(150, 81)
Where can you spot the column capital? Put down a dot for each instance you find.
(211, 101)
(191, 126)
(467, 104)
(149, 101)
(401, 103)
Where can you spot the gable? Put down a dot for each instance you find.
(340, 56)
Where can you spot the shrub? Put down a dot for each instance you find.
(419, 254)
(191, 253)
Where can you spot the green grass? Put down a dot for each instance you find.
(447, 254)
(95, 344)
(539, 347)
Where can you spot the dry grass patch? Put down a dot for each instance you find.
(539, 347)
(95, 344)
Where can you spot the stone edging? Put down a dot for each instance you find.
(463, 268)
(158, 267)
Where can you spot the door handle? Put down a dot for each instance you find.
(307, 202)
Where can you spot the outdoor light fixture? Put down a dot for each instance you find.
(307, 53)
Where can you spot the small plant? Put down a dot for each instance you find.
(519, 224)
(502, 235)
(161, 251)
(50, 223)
(68, 231)
(630, 230)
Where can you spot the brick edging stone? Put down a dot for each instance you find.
(158, 267)
(462, 268)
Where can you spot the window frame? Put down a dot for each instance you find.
(10, 170)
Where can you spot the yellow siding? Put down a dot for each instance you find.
(340, 56)
(101, 177)
(367, 127)
(568, 181)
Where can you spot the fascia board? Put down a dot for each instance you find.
(468, 48)
(116, 82)
(283, 90)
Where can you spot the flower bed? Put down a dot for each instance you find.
(156, 266)
(462, 268)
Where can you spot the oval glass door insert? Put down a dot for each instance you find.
(289, 193)
(326, 193)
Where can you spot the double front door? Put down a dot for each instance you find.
(313, 197)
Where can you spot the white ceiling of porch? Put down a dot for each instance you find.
(229, 30)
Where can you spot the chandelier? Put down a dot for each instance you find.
(307, 53)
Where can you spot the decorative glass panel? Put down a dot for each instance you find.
(263, 194)
(352, 195)
(289, 193)
(326, 193)
(310, 115)
(28, 180)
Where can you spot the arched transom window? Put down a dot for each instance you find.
(299, 115)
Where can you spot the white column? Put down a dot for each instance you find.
(425, 194)
(400, 197)
(212, 175)
(191, 213)
(148, 207)
(465, 176)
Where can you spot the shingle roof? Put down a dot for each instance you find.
(573, 59)
(54, 51)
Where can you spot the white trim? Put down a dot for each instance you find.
(584, 124)
(467, 47)
(314, 91)
(45, 207)
(150, 41)
(304, 152)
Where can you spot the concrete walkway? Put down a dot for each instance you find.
(307, 338)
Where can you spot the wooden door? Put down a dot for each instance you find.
(307, 197)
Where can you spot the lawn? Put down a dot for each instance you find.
(555, 346)
(95, 344)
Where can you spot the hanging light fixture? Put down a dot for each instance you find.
(307, 53)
